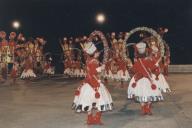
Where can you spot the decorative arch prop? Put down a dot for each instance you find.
(149, 30)
(105, 43)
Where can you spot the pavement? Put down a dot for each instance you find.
(47, 103)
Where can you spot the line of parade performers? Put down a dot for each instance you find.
(22, 58)
(99, 59)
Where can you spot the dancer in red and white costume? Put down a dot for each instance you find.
(92, 96)
(12, 43)
(142, 87)
(67, 65)
(108, 70)
(78, 71)
(28, 71)
(48, 69)
(122, 71)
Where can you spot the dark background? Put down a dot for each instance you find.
(54, 19)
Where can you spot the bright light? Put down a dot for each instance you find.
(16, 24)
(100, 18)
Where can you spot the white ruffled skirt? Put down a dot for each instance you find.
(86, 100)
(50, 71)
(161, 83)
(143, 91)
(77, 72)
(28, 74)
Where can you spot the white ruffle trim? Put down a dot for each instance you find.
(143, 91)
(28, 74)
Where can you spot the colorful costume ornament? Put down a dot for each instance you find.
(92, 95)
(28, 69)
(142, 87)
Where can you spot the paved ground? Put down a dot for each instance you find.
(47, 104)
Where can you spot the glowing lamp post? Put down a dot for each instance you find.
(100, 18)
(16, 24)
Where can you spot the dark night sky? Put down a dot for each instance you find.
(54, 19)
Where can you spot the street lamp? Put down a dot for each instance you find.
(16, 24)
(100, 18)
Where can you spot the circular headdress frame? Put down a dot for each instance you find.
(160, 41)
(105, 43)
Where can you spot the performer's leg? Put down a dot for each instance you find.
(98, 118)
(143, 108)
(149, 105)
(90, 118)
